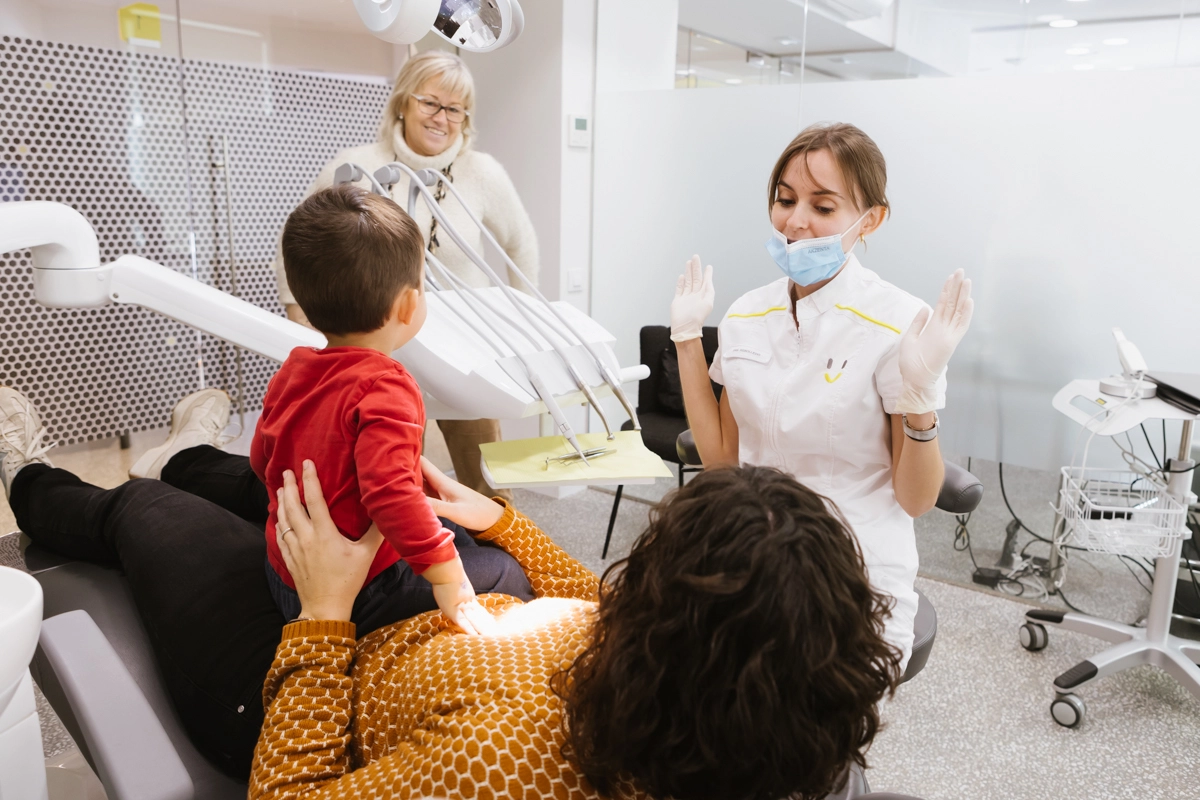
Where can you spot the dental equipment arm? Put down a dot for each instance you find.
(67, 274)
(389, 175)
(604, 369)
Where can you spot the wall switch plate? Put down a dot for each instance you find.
(576, 278)
(579, 130)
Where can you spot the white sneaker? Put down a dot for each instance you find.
(22, 436)
(197, 419)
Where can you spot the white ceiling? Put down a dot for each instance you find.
(759, 25)
(960, 36)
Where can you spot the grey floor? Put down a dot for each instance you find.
(975, 723)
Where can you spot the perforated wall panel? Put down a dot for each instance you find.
(134, 143)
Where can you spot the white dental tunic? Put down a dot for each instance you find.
(812, 396)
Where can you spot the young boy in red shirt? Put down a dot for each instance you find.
(355, 262)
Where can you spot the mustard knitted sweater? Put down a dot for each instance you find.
(418, 709)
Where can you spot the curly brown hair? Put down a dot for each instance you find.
(738, 650)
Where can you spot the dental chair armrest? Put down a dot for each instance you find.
(961, 491)
(109, 717)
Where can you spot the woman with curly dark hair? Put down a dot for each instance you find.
(736, 653)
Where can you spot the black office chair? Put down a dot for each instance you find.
(660, 403)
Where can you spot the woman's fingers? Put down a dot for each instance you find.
(314, 499)
(948, 299)
(694, 276)
(290, 506)
(708, 282)
(436, 478)
(371, 539)
(285, 547)
(918, 323)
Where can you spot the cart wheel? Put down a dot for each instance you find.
(1033, 636)
(1068, 710)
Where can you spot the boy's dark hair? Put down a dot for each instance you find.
(738, 651)
(348, 254)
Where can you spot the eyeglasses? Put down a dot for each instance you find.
(431, 108)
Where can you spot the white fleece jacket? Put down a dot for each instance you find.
(481, 181)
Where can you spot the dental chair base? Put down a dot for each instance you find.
(22, 772)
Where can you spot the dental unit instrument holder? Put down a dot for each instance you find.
(419, 183)
(605, 371)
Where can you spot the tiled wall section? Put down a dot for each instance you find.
(136, 143)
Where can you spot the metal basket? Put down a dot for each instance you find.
(1119, 512)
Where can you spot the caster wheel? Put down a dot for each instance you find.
(1068, 710)
(1033, 636)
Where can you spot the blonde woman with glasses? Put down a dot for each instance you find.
(428, 124)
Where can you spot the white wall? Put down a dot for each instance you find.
(635, 44)
(1069, 199)
(518, 103)
(677, 173)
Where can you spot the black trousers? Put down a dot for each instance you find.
(192, 548)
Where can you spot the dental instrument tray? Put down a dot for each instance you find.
(1119, 512)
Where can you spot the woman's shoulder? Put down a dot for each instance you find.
(888, 298)
(481, 166)
(761, 301)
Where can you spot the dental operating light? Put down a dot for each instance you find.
(476, 25)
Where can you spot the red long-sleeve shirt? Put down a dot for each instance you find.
(357, 415)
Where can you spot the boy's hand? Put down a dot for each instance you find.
(456, 598)
(458, 503)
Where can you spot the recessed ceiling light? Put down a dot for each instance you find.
(1084, 66)
(733, 81)
(1064, 23)
(1116, 41)
(788, 41)
(1077, 51)
(841, 60)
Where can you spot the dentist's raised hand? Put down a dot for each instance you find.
(929, 342)
(693, 301)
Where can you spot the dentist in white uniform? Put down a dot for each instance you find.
(831, 374)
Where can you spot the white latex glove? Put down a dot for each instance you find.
(693, 301)
(929, 342)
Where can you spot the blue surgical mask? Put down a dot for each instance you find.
(809, 261)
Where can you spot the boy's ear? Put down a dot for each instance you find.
(405, 307)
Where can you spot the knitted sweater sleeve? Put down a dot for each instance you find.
(551, 572)
(507, 218)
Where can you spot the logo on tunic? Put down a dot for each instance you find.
(829, 368)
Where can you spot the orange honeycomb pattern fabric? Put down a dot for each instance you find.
(420, 710)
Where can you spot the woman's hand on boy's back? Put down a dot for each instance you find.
(458, 503)
(328, 568)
